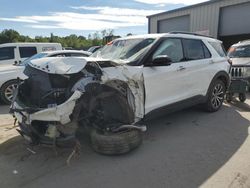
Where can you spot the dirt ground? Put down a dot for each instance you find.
(189, 148)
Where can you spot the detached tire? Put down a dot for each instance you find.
(115, 143)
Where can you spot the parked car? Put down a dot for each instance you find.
(112, 91)
(239, 54)
(94, 49)
(14, 53)
(10, 73)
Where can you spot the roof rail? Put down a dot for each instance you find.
(189, 33)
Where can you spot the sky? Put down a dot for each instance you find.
(82, 17)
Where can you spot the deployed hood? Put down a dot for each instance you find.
(64, 65)
(240, 61)
(59, 65)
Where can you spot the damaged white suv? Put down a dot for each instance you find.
(116, 88)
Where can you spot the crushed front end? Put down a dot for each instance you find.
(60, 96)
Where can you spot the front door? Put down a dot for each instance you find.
(166, 84)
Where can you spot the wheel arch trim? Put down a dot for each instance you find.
(221, 75)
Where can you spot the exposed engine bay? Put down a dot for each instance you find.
(63, 94)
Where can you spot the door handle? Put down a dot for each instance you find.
(181, 68)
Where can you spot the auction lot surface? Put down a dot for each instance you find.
(189, 148)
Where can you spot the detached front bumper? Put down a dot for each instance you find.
(49, 126)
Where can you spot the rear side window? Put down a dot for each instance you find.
(7, 53)
(27, 51)
(218, 48)
(195, 49)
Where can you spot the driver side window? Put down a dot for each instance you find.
(172, 48)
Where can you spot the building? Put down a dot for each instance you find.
(226, 20)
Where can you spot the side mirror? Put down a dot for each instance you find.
(161, 60)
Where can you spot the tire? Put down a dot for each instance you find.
(229, 97)
(115, 143)
(215, 96)
(242, 97)
(6, 91)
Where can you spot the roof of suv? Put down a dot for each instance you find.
(174, 34)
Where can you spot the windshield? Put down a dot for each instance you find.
(124, 51)
(240, 51)
(37, 56)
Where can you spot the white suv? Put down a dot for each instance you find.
(117, 87)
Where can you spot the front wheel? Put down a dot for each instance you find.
(215, 96)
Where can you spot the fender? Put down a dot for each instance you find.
(222, 75)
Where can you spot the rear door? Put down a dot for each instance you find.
(198, 66)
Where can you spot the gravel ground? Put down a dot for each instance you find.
(189, 148)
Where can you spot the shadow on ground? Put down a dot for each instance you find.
(4, 109)
(180, 150)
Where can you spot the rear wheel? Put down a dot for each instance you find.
(216, 95)
(7, 91)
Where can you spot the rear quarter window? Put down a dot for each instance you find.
(218, 47)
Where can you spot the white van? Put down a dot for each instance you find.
(14, 53)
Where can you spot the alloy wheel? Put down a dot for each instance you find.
(9, 91)
(217, 96)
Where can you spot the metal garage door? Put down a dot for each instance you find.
(234, 20)
(174, 24)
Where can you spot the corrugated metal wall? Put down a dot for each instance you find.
(232, 20)
(204, 18)
(180, 23)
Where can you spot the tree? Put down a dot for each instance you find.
(9, 35)
(74, 41)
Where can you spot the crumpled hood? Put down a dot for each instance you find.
(62, 65)
(59, 65)
(240, 61)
